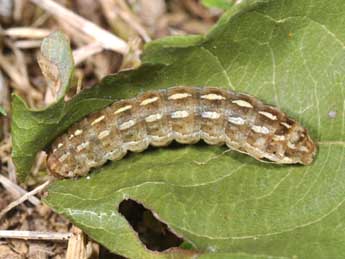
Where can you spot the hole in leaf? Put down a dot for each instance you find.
(154, 234)
(104, 253)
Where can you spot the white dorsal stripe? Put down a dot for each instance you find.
(260, 129)
(210, 115)
(122, 109)
(236, 120)
(179, 114)
(64, 156)
(127, 125)
(103, 134)
(99, 119)
(212, 97)
(303, 149)
(268, 115)
(279, 138)
(285, 125)
(78, 132)
(242, 103)
(83, 145)
(178, 96)
(153, 117)
(149, 100)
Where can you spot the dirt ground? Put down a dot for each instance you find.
(23, 25)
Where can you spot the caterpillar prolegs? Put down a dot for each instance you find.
(184, 114)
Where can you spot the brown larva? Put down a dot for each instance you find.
(184, 114)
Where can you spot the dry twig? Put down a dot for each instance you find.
(20, 81)
(106, 39)
(34, 235)
(117, 25)
(16, 190)
(123, 11)
(27, 44)
(76, 245)
(82, 53)
(24, 198)
(27, 32)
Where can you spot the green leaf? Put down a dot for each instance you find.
(31, 129)
(2, 111)
(227, 205)
(221, 4)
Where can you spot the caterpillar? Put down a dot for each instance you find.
(185, 114)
